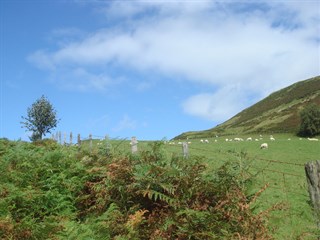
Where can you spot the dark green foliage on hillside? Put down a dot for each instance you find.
(300, 90)
(310, 121)
(277, 113)
(48, 191)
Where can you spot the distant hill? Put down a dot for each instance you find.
(277, 113)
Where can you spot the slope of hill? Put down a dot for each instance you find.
(279, 112)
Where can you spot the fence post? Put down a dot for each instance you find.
(59, 137)
(79, 140)
(185, 150)
(312, 170)
(134, 145)
(70, 138)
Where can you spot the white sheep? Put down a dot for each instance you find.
(272, 139)
(249, 139)
(313, 139)
(264, 146)
(206, 141)
(238, 139)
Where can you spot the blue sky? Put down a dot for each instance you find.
(150, 69)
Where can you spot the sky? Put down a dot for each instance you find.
(150, 69)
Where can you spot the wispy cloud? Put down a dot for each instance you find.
(258, 47)
(125, 123)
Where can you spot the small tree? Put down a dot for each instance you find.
(310, 121)
(42, 117)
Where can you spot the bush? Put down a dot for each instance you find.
(155, 197)
(310, 121)
(49, 193)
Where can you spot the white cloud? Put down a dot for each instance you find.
(213, 43)
(217, 106)
(42, 60)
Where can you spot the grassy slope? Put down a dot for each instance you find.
(287, 182)
(279, 112)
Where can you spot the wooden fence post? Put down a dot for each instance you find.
(313, 178)
(79, 140)
(59, 137)
(185, 149)
(70, 138)
(134, 145)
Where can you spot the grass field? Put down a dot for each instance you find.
(281, 166)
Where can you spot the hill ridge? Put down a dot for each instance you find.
(278, 112)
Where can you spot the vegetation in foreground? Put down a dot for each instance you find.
(50, 191)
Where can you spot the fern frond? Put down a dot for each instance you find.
(158, 196)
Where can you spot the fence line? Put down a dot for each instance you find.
(281, 183)
(276, 171)
(283, 174)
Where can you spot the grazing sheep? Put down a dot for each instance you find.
(201, 141)
(206, 141)
(238, 139)
(272, 139)
(264, 146)
(249, 139)
(313, 139)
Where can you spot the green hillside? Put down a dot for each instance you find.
(277, 113)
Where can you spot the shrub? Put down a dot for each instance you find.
(310, 121)
(48, 193)
(171, 198)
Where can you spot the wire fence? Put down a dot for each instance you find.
(287, 187)
(286, 181)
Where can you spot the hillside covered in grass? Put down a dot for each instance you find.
(277, 113)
